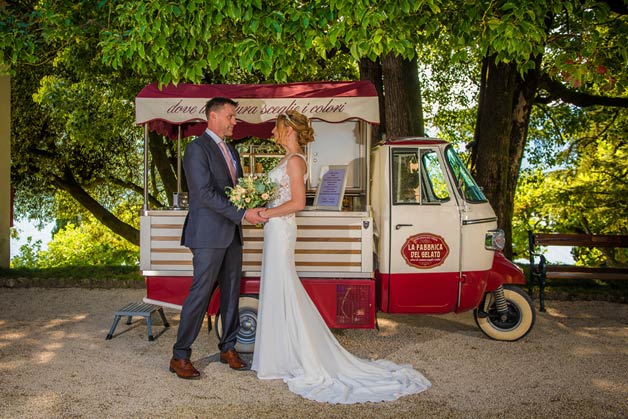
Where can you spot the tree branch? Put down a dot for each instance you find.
(617, 6)
(556, 90)
(154, 202)
(69, 184)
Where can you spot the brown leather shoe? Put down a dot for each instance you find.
(184, 369)
(232, 358)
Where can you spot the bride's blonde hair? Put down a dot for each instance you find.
(301, 125)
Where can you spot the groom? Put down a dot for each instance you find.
(213, 232)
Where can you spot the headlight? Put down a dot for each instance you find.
(495, 240)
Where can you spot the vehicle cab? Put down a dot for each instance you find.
(437, 245)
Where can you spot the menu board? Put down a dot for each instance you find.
(331, 188)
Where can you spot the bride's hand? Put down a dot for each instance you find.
(253, 216)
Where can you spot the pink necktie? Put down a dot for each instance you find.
(227, 156)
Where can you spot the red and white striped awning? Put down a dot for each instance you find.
(183, 105)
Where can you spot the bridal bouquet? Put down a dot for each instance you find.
(252, 191)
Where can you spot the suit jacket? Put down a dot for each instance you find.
(212, 220)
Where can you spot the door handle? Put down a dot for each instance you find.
(398, 226)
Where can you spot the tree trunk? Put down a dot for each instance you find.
(403, 110)
(159, 147)
(491, 152)
(523, 100)
(372, 71)
(69, 184)
(504, 110)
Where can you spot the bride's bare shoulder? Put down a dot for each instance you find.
(299, 164)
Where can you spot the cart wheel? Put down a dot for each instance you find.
(513, 325)
(248, 324)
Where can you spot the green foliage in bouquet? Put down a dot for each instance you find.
(252, 191)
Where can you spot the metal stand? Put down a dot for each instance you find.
(139, 309)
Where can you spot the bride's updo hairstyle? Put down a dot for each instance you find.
(301, 125)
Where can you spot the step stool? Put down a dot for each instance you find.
(139, 309)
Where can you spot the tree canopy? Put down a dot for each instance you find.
(530, 63)
(574, 55)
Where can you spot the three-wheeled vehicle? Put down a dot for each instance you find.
(406, 230)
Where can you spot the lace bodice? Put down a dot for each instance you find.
(279, 175)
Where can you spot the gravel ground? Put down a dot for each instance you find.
(56, 363)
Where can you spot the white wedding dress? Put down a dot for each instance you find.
(292, 341)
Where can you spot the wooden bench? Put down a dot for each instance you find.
(542, 271)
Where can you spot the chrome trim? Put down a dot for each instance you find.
(322, 275)
(178, 159)
(479, 221)
(146, 206)
(161, 303)
(459, 297)
(168, 273)
(253, 274)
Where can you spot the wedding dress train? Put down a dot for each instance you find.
(293, 342)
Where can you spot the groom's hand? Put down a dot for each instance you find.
(253, 217)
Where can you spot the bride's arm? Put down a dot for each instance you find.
(295, 169)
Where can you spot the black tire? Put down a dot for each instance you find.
(248, 324)
(517, 322)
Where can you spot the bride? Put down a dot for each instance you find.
(292, 341)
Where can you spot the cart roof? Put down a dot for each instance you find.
(183, 105)
(404, 141)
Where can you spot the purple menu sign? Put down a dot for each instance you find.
(331, 189)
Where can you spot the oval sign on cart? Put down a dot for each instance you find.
(425, 250)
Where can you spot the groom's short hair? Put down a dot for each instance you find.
(215, 103)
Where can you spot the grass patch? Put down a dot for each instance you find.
(76, 272)
(74, 276)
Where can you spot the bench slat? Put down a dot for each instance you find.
(581, 272)
(542, 271)
(582, 240)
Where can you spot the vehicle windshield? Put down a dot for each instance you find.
(465, 183)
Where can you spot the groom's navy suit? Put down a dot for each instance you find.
(213, 232)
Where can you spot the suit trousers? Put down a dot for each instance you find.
(212, 266)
